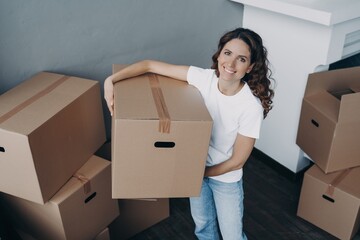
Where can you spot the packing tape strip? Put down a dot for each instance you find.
(85, 181)
(333, 184)
(32, 99)
(163, 113)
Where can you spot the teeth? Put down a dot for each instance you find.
(229, 71)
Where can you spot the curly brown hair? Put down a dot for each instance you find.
(259, 78)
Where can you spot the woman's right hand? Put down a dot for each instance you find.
(109, 94)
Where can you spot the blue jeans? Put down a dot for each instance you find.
(220, 205)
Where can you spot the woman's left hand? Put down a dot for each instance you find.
(109, 94)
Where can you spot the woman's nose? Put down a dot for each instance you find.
(232, 62)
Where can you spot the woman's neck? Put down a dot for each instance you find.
(230, 89)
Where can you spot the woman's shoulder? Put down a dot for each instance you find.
(252, 100)
(198, 73)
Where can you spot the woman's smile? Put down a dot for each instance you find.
(229, 71)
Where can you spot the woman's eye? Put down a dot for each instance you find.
(227, 53)
(242, 59)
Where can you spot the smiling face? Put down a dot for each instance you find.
(234, 60)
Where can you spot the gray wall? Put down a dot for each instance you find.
(85, 37)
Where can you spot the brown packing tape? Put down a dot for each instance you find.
(32, 99)
(163, 113)
(333, 184)
(85, 181)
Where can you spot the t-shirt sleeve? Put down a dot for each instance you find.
(199, 77)
(250, 123)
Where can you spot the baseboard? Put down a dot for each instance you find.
(282, 170)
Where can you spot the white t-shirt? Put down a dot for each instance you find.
(241, 113)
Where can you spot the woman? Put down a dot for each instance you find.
(237, 93)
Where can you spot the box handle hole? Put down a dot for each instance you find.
(88, 199)
(164, 144)
(328, 198)
(315, 123)
(2, 149)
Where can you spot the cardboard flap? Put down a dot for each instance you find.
(350, 108)
(325, 103)
(333, 80)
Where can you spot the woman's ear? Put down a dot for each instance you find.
(250, 68)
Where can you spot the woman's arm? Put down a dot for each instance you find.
(169, 70)
(241, 152)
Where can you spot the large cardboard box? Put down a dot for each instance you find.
(138, 215)
(329, 129)
(81, 209)
(160, 134)
(50, 125)
(331, 201)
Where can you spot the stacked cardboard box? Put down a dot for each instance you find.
(53, 185)
(160, 135)
(136, 214)
(81, 209)
(329, 134)
(50, 127)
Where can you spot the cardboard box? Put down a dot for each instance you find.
(331, 201)
(160, 134)
(329, 129)
(50, 125)
(136, 216)
(80, 210)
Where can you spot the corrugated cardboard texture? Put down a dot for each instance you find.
(71, 213)
(336, 213)
(329, 123)
(141, 166)
(50, 136)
